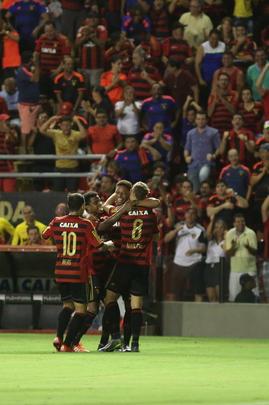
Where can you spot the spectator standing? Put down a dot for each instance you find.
(215, 261)
(225, 203)
(239, 138)
(28, 17)
(90, 44)
(180, 83)
(10, 55)
(159, 108)
(66, 142)
(243, 14)
(160, 21)
(8, 140)
(136, 25)
(226, 31)
(28, 101)
(127, 113)
(251, 111)
(42, 144)
(241, 246)
(198, 24)
(103, 137)
(142, 76)
(236, 175)
(263, 89)
(254, 71)
(188, 258)
(11, 95)
(69, 85)
(133, 160)
(158, 140)
(114, 80)
(98, 101)
(201, 150)
(21, 236)
(182, 201)
(236, 76)
(208, 58)
(51, 47)
(176, 47)
(72, 17)
(122, 47)
(222, 104)
(243, 47)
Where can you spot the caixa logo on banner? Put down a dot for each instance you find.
(28, 285)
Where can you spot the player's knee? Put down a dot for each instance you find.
(92, 307)
(136, 302)
(110, 297)
(80, 308)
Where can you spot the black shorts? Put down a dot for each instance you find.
(212, 275)
(77, 292)
(187, 281)
(129, 279)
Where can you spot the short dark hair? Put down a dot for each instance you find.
(221, 182)
(101, 111)
(174, 63)
(124, 183)
(75, 201)
(89, 196)
(239, 215)
(201, 112)
(141, 190)
(115, 58)
(65, 118)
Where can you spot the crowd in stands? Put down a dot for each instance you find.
(171, 92)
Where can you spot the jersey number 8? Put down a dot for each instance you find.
(137, 229)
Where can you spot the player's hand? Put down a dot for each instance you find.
(209, 157)
(226, 135)
(109, 245)
(242, 137)
(128, 205)
(178, 227)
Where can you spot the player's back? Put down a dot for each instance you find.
(137, 229)
(73, 237)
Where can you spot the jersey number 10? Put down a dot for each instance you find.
(69, 243)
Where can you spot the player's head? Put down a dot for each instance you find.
(239, 222)
(93, 203)
(76, 203)
(191, 216)
(139, 191)
(33, 234)
(123, 188)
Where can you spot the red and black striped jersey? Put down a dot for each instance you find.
(125, 53)
(142, 87)
(222, 117)
(177, 49)
(74, 238)
(160, 23)
(137, 229)
(51, 52)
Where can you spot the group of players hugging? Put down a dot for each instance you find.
(103, 252)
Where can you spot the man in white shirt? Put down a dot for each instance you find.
(188, 259)
(241, 246)
(127, 113)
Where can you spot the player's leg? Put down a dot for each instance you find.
(92, 309)
(65, 314)
(127, 328)
(139, 289)
(80, 293)
(111, 322)
(136, 321)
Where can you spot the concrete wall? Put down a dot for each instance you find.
(214, 320)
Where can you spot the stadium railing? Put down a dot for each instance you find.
(55, 174)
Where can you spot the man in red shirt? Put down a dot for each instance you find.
(74, 237)
(238, 138)
(235, 74)
(222, 104)
(114, 80)
(142, 76)
(103, 137)
(90, 43)
(50, 48)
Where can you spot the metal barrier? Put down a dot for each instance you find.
(11, 175)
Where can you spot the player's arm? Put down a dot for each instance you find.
(173, 233)
(149, 202)
(47, 233)
(109, 222)
(109, 204)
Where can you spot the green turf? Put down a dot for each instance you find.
(167, 371)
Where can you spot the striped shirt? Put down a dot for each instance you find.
(74, 238)
(51, 52)
(141, 86)
(137, 229)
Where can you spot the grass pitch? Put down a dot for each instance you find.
(167, 371)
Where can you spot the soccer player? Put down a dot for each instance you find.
(100, 260)
(74, 237)
(130, 275)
